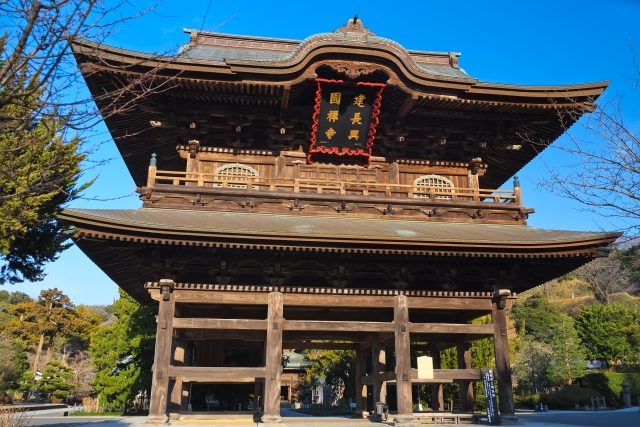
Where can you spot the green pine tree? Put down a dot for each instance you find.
(39, 171)
(57, 380)
(123, 352)
(569, 359)
(610, 332)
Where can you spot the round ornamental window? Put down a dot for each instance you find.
(237, 171)
(436, 183)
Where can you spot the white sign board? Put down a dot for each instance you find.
(425, 367)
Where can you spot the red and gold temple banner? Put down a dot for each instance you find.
(345, 119)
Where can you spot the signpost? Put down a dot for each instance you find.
(490, 401)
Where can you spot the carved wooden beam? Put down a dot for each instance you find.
(406, 107)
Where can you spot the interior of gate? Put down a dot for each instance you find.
(219, 348)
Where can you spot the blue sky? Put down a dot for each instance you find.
(535, 43)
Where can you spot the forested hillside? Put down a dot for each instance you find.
(53, 350)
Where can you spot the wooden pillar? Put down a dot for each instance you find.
(437, 396)
(192, 161)
(162, 355)
(403, 360)
(466, 387)
(186, 387)
(258, 390)
(361, 389)
(281, 167)
(379, 362)
(394, 173)
(501, 348)
(273, 363)
(176, 385)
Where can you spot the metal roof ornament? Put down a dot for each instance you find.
(153, 161)
(355, 26)
(516, 182)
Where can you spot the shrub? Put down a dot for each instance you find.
(529, 401)
(609, 384)
(569, 396)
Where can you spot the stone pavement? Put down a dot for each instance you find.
(622, 418)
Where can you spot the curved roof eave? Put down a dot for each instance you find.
(175, 228)
(294, 63)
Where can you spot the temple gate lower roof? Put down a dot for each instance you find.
(122, 242)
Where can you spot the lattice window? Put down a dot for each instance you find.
(236, 171)
(441, 184)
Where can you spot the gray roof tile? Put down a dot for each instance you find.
(384, 230)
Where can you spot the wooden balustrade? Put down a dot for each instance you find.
(304, 185)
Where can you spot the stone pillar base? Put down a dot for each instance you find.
(270, 419)
(406, 420)
(174, 416)
(157, 419)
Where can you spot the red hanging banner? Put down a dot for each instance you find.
(345, 119)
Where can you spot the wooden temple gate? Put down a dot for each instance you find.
(172, 374)
(338, 188)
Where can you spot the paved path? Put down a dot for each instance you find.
(622, 418)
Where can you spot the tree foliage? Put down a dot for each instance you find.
(123, 352)
(609, 332)
(336, 368)
(52, 313)
(569, 360)
(57, 380)
(43, 111)
(532, 364)
(39, 172)
(13, 363)
(533, 316)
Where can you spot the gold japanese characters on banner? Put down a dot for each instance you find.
(345, 119)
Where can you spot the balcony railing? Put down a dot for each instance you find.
(305, 185)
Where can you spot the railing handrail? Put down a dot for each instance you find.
(196, 176)
(322, 185)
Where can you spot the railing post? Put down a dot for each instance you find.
(151, 177)
(516, 190)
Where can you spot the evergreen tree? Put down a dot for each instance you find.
(39, 172)
(532, 364)
(336, 368)
(568, 357)
(39, 322)
(533, 316)
(609, 332)
(13, 363)
(57, 380)
(123, 352)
